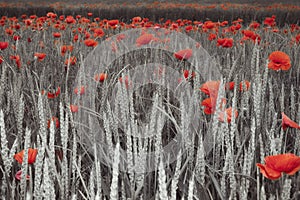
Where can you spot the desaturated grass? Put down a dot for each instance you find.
(215, 161)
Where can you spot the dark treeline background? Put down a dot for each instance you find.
(124, 13)
(295, 2)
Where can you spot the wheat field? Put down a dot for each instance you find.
(145, 109)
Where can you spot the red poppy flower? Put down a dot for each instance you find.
(275, 165)
(51, 15)
(28, 22)
(74, 108)
(113, 22)
(71, 61)
(209, 25)
(211, 88)
(3, 45)
(136, 19)
(100, 77)
(244, 85)
(268, 172)
(82, 90)
(287, 122)
(40, 56)
(8, 31)
(1, 59)
(32, 16)
(225, 42)
(224, 23)
(184, 54)
(17, 26)
(19, 175)
(87, 35)
(239, 20)
(254, 25)
(2, 22)
(70, 20)
(98, 32)
(57, 35)
(65, 48)
(17, 59)
(55, 121)
(145, 39)
(174, 26)
(297, 38)
(52, 95)
(279, 61)
(248, 33)
(229, 86)
(17, 37)
(235, 28)
(228, 113)
(31, 156)
(187, 74)
(75, 38)
(270, 21)
(188, 28)
(210, 105)
(90, 43)
(212, 36)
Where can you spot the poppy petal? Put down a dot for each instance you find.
(211, 88)
(31, 156)
(288, 163)
(268, 172)
(287, 122)
(184, 54)
(279, 60)
(19, 175)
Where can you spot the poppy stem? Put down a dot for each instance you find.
(30, 180)
(284, 145)
(257, 183)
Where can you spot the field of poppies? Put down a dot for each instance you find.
(141, 107)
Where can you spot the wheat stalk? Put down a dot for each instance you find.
(286, 190)
(176, 176)
(191, 188)
(115, 174)
(162, 186)
(24, 167)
